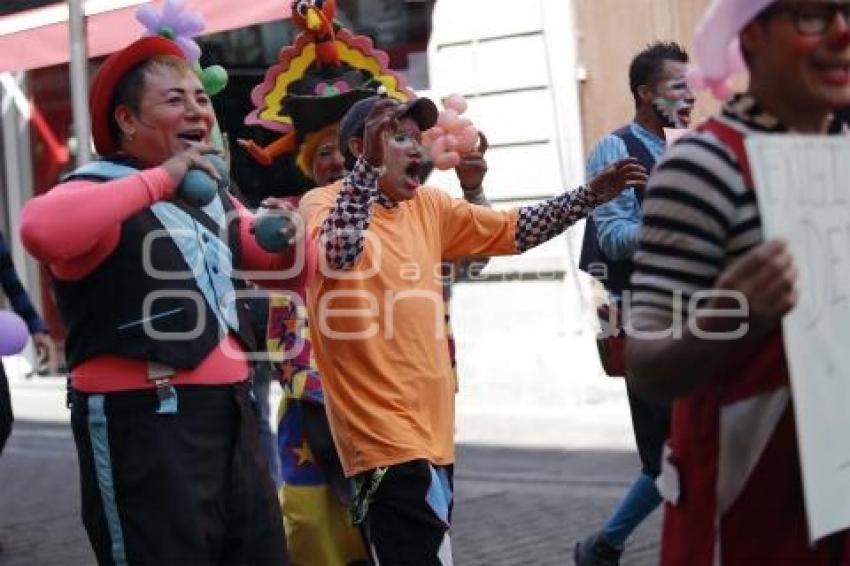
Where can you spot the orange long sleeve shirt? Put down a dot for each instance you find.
(378, 328)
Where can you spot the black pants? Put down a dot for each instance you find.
(186, 488)
(401, 526)
(6, 415)
(651, 424)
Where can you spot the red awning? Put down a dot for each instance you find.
(39, 37)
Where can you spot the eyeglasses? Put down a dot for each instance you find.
(812, 18)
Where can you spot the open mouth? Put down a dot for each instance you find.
(412, 174)
(684, 116)
(192, 136)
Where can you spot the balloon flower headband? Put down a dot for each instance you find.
(180, 25)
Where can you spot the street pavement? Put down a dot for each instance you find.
(514, 506)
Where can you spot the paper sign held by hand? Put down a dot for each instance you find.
(803, 190)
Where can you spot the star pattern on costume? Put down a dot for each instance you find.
(303, 454)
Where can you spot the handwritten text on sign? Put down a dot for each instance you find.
(803, 188)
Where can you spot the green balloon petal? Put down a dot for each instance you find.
(214, 79)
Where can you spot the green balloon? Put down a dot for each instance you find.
(214, 79)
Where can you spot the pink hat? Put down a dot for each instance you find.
(716, 47)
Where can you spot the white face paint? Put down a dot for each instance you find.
(674, 100)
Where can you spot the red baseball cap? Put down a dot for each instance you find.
(110, 74)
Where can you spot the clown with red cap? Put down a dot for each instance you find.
(144, 246)
(731, 474)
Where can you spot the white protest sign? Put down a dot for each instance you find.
(803, 188)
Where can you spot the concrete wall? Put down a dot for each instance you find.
(529, 373)
(545, 79)
(516, 64)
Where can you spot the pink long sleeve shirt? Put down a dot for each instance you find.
(75, 227)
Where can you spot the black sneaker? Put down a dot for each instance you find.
(595, 551)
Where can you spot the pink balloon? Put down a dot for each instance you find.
(438, 148)
(458, 125)
(13, 333)
(455, 102)
(695, 78)
(446, 117)
(736, 58)
(447, 161)
(431, 135)
(716, 35)
(451, 142)
(468, 139)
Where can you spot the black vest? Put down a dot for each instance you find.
(613, 274)
(123, 308)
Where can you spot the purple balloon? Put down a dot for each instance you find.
(190, 48)
(189, 24)
(148, 17)
(13, 333)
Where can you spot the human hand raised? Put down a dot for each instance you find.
(616, 177)
(380, 123)
(473, 167)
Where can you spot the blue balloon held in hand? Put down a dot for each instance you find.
(268, 231)
(197, 187)
(13, 334)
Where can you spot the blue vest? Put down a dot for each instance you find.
(618, 272)
(165, 294)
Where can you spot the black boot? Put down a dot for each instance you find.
(596, 551)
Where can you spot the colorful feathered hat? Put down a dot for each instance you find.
(316, 79)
